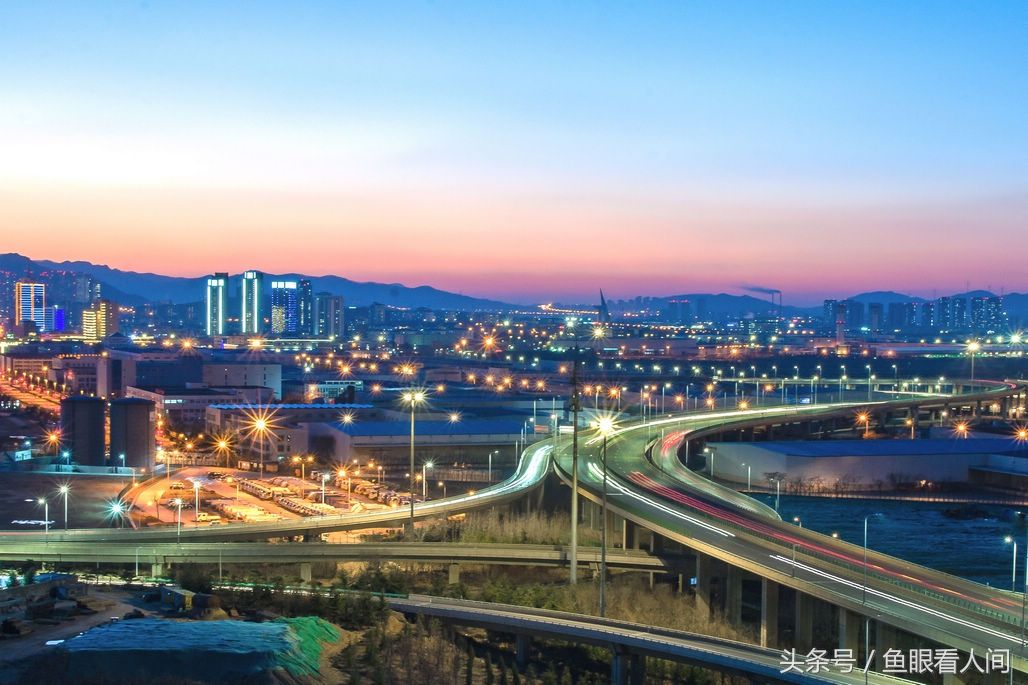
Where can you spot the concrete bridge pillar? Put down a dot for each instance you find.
(157, 569)
(768, 613)
(630, 535)
(849, 630)
(885, 638)
(521, 648)
(803, 632)
(626, 668)
(305, 571)
(704, 570)
(733, 596)
(453, 574)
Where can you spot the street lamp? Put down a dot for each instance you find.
(196, 511)
(424, 479)
(324, 479)
(749, 471)
(972, 347)
(178, 520)
(605, 426)
(42, 501)
(864, 589)
(413, 398)
(64, 490)
(442, 484)
(1013, 571)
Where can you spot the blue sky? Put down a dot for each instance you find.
(490, 141)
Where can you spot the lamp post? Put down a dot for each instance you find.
(196, 493)
(424, 479)
(413, 398)
(1013, 570)
(605, 425)
(46, 517)
(442, 484)
(749, 472)
(863, 599)
(178, 519)
(64, 490)
(324, 479)
(973, 347)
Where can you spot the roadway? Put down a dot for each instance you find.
(651, 488)
(757, 663)
(270, 553)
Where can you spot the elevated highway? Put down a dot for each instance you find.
(648, 488)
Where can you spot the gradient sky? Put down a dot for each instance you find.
(527, 151)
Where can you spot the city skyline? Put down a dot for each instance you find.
(569, 154)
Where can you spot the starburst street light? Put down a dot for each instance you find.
(261, 423)
(973, 347)
(223, 446)
(1021, 434)
(605, 426)
(865, 418)
(414, 398)
(961, 429)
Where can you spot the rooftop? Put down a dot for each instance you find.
(425, 428)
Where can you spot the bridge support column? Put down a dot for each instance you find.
(626, 668)
(849, 630)
(305, 571)
(521, 647)
(804, 628)
(733, 596)
(885, 638)
(157, 570)
(630, 537)
(453, 574)
(768, 613)
(704, 569)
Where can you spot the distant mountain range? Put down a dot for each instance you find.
(132, 287)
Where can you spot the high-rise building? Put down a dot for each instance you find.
(330, 315)
(53, 317)
(875, 317)
(828, 315)
(250, 321)
(100, 320)
(284, 308)
(910, 315)
(944, 313)
(30, 304)
(960, 313)
(82, 429)
(216, 296)
(854, 315)
(928, 319)
(896, 317)
(305, 304)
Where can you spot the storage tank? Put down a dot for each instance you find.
(82, 429)
(132, 433)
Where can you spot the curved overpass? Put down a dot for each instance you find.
(650, 488)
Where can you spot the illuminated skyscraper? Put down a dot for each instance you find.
(284, 308)
(329, 316)
(30, 304)
(100, 320)
(215, 321)
(250, 321)
(305, 304)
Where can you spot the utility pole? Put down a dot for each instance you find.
(574, 466)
